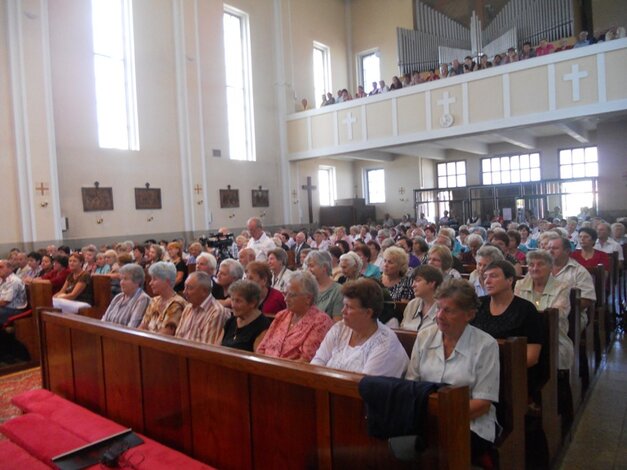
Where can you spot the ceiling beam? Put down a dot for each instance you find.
(518, 137)
(576, 130)
(468, 145)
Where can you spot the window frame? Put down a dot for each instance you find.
(360, 67)
(367, 191)
(326, 71)
(332, 193)
(510, 157)
(105, 87)
(584, 163)
(247, 88)
(456, 175)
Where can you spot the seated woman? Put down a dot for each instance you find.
(175, 252)
(335, 253)
(502, 314)
(440, 257)
(474, 242)
(513, 248)
(270, 300)
(526, 241)
(277, 260)
(329, 298)
(587, 255)
(164, 311)
(395, 265)
(361, 343)
(296, 332)
(247, 327)
(486, 255)
(367, 268)
(376, 258)
(58, 274)
(350, 264)
(541, 289)
(420, 311)
(154, 254)
(128, 307)
(457, 353)
(101, 265)
(76, 292)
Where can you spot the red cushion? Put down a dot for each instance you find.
(40, 437)
(25, 400)
(76, 419)
(13, 456)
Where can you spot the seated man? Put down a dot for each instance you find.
(12, 293)
(246, 256)
(206, 262)
(203, 318)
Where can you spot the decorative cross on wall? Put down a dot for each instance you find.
(42, 188)
(574, 77)
(198, 188)
(349, 120)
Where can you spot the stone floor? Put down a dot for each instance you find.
(600, 438)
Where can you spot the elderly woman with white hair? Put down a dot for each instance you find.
(350, 264)
(297, 331)
(164, 311)
(329, 298)
(395, 266)
(485, 256)
(544, 291)
(206, 262)
(128, 307)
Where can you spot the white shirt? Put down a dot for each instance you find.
(576, 276)
(476, 283)
(381, 354)
(280, 282)
(609, 247)
(412, 320)
(261, 246)
(474, 362)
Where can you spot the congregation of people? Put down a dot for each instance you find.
(472, 64)
(330, 297)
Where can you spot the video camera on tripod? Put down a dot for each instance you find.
(221, 244)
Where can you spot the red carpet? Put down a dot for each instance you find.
(12, 385)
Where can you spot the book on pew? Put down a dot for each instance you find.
(101, 451)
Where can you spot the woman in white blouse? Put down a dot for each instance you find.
(420, 311)
(360, 343)
(457, 353)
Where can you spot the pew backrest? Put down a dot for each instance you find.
(230, 408)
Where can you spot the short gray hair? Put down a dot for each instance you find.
(322, 258)
(163, 270)
(136, 272)
(353, 258)
(236, 270)
(542, 255)
(307, 282)
(210, 259)
(204, 280)
(474, 238)
(90, 248)
(491, 252)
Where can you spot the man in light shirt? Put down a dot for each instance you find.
(259, 241)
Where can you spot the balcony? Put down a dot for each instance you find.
(562, 93)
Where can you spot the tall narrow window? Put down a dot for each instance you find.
(322, 71)
(239, 99)
(375, 185)
(326, 185)
(114, 69)
(369, 69)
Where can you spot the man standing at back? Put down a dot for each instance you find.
(12, 293)
(259, 241)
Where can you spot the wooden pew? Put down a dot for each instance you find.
(191, 268)
(512, 405)
(25, 329)
(551, 422)
(101, 286)
(229, 408)
(612, 298)
(600, 313)
(574, 333)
